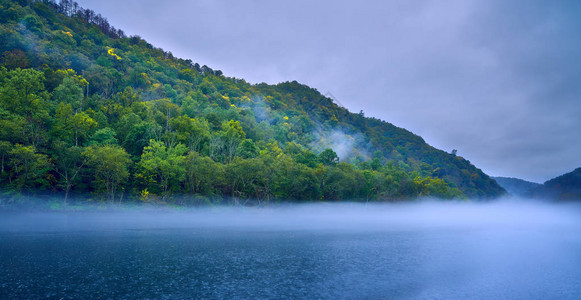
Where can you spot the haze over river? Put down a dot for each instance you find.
(435, 250)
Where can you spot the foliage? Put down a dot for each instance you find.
(109, 168)
(28, 168)
(161, 167)
(83, 108)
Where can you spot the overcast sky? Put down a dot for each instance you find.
(500, 81)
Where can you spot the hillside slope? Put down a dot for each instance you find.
(564, 187)
(515, 186)
(77, 93)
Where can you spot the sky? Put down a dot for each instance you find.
(500, 81)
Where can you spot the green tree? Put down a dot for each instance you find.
(328, 157)
(127, 97)
(102, 80)
(214, 121)
(295, 181)
(13, 127)
(15, 59)
(378, 186)
(232, 136)
(69, 162)
(247, 149)
(28, 168)
(248, 178)
(435, 187)
(203, 175)
(109, 168)
(139, 136)
(134, 133)
(164, 111)
(22, 93)
(72, 127)
(5, 148)
(82, 126)
(190, 132)
(162, 167)
(69, 92)
(105, 136)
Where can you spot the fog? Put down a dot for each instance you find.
(507, 214)
(346, 145)
(429, 249)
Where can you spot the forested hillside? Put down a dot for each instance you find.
(86, 110)
(564, 187)
(515, 186)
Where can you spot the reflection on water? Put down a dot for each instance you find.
(427, 250)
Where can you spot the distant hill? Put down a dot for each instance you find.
(515, 186)
(564, 187)
(86, 109)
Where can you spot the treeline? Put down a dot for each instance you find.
(71, 8)
(117, 118)
(61, 141)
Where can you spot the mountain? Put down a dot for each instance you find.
(515, 186)
(564, 187)
(88, 110)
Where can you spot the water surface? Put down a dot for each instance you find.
(424, 250)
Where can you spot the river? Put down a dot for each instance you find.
(428, 250)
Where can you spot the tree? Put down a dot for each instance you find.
(301, 154)
(214, 121)
(216, 147)
(109, 167)
(295, 181)
(328, 157)
(82, 125)
(127, 97)
(69, 92)
(15, 59)
(28, 167)
(12, 127)
(378, 186)
(247, 149)
(5, 148)
(69, 162)
(139, 135)
(190, 132)
(73, 127)
(22, 93)
(102, 80)
(343, 182)
(247, 178)
(165, 111)
(162, 166)
(232, 136)
(105, 136)
(436, 187)
(203, 175)
(32, 23)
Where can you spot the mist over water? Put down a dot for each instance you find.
(442, 250)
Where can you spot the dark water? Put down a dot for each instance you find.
(424, 251)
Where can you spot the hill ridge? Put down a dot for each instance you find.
(100, 92)
(563, 187)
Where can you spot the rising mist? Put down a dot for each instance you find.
(442, 250)
(506, 214)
